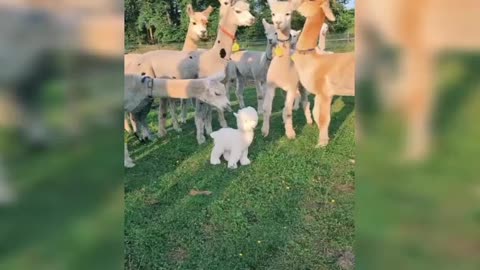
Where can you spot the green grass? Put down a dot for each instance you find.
(292, 208)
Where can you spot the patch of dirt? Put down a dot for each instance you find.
(347, 260)
(314, 205)
(345, 188)
(178, 255)
(309, 219)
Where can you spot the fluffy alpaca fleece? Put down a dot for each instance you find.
(233, 144)
(140, 90)
(333, 74)
(282, 73)
(200, 64)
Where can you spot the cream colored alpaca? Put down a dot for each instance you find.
(253, 65)
(324, 75)
(197, 30)
(282, 72)
(189, 65)
(140, 90)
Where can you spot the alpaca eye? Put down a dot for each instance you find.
(273, 14)
(238, 11)
(288, 14)
(194, 23)
(217, 94)
(225, 3)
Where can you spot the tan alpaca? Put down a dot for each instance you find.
(324, 75)
(282, 72)
(140, 90)
(199, 64)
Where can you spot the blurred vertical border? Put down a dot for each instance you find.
(418, 101)
(61, 89)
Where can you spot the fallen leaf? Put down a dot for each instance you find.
(194, 192)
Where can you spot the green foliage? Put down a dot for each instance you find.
(165, 21)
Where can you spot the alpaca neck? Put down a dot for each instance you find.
(226, 40)
(177, 88)
(311, 32)
(284, 35)
(247, 136)
(190, 43)
(267, 56)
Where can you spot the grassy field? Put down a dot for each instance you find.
(292, 208)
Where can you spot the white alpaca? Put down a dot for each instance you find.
(233, 143)
(140, 90)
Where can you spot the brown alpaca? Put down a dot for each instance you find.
(324, 75)
(282, 72)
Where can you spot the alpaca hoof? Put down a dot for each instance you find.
(290, 134)
(183, 121)
(215, 162)
(162, 133)
(178, 129)
(201, 140)
(322, 143)
(310, 122)
(245, 162)
(129, 164)
(223, 124)
(232, 166)
(265, 132)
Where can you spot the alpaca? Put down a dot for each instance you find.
(233, 143)
(199, 64)
(323, 75)
(323, 37)
(197, 30)
(282, 73)
(140, 90)
(253, 65)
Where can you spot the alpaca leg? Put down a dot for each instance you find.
(321, 114)
(260, 93)
(287, 114)
(221, 118)
(296, 105)
(226, 155)
(127, 160)
(217, 152)
(244, 158)
(239, 91)
(199, 122)
(184, 108)
(162, 117)
(306, 105)
(267, 108)
(235, 156)
(126, 124)
(172, 104)
(134, 123)
(207, 116)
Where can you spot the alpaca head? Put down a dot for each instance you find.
(281, 14)
(198, 22)
(216, 93)
(238, 11)
(309, 8)
(269, 32)
(295, 35)
(247, 119)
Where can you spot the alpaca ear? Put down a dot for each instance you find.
(208, 11)
(236, 115)
(294, 4)
(328, 11)
(265, 24)
(190, 11)
(271, 2)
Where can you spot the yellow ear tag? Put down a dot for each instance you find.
(279, 51)
(235, 47)
(291, 57)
